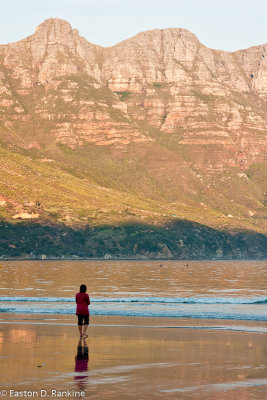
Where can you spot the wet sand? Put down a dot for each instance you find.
(131, 358)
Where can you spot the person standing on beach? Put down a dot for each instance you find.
(82, 310)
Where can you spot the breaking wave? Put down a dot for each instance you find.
(161, 300)
(238, 308)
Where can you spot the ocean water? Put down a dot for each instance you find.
(229, 290)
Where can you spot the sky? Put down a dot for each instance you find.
(218, 24)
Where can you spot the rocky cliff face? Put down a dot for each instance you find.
(210, 97)
(212, 102)
(181, 128)
(54, 77)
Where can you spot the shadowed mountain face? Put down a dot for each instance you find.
(179, 240)
(155, 128)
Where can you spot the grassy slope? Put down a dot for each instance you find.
(60, 195)
(105, 189)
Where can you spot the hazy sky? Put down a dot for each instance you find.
(219, 24)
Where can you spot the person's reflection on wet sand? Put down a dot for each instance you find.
(81, 363)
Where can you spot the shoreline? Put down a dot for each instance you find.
(141, 362)
(119, 321)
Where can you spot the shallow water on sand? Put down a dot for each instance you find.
(132, 361)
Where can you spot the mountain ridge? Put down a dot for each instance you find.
(164, 126)
(53, 19)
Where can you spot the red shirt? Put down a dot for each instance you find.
(82, 301)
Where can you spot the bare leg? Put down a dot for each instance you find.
(84, 329)
(80, 330)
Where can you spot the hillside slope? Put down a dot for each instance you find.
(154, 130)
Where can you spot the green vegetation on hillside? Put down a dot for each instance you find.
(179, 240)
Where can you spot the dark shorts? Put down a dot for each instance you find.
(83, 319)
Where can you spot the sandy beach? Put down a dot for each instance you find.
(131, 358)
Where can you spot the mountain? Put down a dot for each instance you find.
(156, 132)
